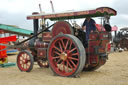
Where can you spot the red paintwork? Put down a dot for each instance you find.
(41, 52)
(106, 9)
(97, 39)
(109, 47)
(40, 44)
(61, 27)
(53, 59)
(4, 41)
(93, 60)
(47, 36)
(101, 28)
(114, 28)
(75, 13)
(7, 39)
(3, 54)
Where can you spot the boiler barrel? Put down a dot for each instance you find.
(40, 44)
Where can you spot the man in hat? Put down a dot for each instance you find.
(88, 26)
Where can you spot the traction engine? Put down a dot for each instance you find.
(63, 48)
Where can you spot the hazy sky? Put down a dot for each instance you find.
(14, 12)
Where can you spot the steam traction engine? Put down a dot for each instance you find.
(121, 39)
(63, 48)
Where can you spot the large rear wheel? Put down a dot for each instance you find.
(66, 55)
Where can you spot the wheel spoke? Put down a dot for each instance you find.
(28, 57)
(61, 63)
(70, 45)
(57, 48)
(58, 61)
(57, 53)
(74, 54)
(55, 57)
(67, 44)
(60, 46)
(25, 55)
(70, 65)
(73, 58)
(28, 65)
(63, 44)
(24, 66)
(22, 61)
(72, 50)
(63, 66)
(73, 63)
(67, 65)
(22, 56)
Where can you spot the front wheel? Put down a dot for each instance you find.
(25, 61)
(66, 55)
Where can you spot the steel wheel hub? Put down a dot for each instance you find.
(63, 56)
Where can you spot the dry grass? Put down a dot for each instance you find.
(114, 72)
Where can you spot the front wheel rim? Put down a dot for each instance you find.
(25, 61)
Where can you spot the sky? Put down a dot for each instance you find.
(14, 12)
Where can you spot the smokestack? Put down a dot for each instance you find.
(40, 8)
(52, 6)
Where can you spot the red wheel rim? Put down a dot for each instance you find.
(24, 61)
(64, 56)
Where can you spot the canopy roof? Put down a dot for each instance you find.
(98, 12)
(124, 29)
(14, 30)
